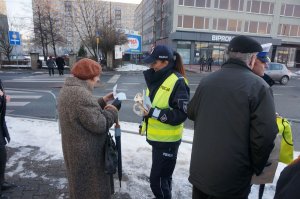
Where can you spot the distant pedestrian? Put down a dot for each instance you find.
(202, 62)
(210, 60)
(84, 123)
(235, 125)
(39, 64)
(50, 64)
(60, 62)
(4, 139)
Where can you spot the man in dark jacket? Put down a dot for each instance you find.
(235, 125)
(60, 62)
(4, 138)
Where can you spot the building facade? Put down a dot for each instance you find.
(3, 17)
(203, 28)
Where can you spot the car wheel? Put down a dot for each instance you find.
(284, 80)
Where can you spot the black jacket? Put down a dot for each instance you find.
(289, 182)
(60, 62)
(235, 126)
(178, 100)
(3, 128)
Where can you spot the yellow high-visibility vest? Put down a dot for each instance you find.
(286, 147)
(156, 130)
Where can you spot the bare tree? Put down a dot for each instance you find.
(47, 26)
(5, 47)
(92, 17)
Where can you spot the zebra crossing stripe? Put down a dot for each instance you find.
(15, 92)
(113, 79)
(25, 96)
(17, 103)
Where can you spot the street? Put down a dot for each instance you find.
(34, 95)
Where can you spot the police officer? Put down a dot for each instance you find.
(169, 94)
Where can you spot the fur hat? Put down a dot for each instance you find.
(86, 69)
(244, 44)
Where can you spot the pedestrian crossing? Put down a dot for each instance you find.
(20, 99)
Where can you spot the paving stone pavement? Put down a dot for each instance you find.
(38, 176)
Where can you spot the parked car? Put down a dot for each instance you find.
(278, 72)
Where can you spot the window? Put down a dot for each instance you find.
(255, 6)
(188, 21)
(279, 29)
(248, 6)
(246, 28)
(289, 10)
(199, 22)
(241, 5)
(297, 11)
(215, 24)
(253, 26)
(271, 8)
(216, 3)
(179, 23)
(189, 2)
(285, 29)
(232, 25)
(200, 3)
(262, 28)
(222, 24)
(275, 66)
(224, 4)
(234, 5)
(180, 2)
(206, 23)
(265, 6)
(294, 30)
(282, 9)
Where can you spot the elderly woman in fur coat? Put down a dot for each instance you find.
(84, 120)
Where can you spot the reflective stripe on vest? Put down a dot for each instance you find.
(286, 148)
(156, 130)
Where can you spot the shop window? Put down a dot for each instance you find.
(253, 26)
(255, 6)
(179, 23)
(189, 2)
(184, 49)
(289, 10)
(294, 30)
(297, 11)
(222, 24)
(188, 21)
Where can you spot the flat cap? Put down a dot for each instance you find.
(244, 44)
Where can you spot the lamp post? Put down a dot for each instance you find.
(97, 42)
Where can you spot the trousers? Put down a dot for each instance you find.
(163, 165)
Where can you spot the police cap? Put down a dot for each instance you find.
(244, 44)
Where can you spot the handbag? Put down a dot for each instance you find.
(110, 155)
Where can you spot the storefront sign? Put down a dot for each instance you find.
(134, 44)
(223, 38)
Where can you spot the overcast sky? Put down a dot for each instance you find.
(20, 13)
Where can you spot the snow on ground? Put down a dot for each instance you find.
(132, 67)
(136, 155)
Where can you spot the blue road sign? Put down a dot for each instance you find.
(14, 38)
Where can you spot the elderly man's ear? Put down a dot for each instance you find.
(252, 62)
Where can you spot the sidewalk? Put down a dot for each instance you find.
(196, 69)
